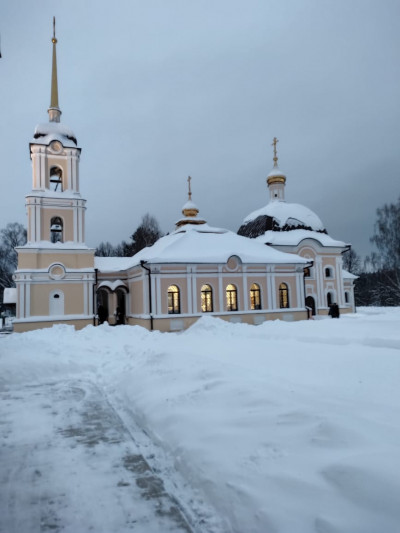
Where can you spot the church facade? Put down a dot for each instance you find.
(195, 270)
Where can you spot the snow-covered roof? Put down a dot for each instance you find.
(348, 275)
(113, 264)
(46, 193)
(201, 244)
(68, 245)
(112, 285)
(204, 244)
(54, 131)
(288, 214)
(294, 237)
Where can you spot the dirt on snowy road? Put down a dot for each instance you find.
(68, 463)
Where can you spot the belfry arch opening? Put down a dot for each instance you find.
(56, 230)
(56, 179)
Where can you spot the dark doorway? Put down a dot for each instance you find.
(329, 299)
(102, 305)
(310, 302)
(121, 306)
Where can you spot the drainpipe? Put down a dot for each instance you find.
(304, 286)
(94, 296)
(142, 264)
(347, 249)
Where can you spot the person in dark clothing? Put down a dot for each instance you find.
(119, 317)
(334, 311)
(102, 314)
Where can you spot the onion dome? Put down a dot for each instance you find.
(276, 179)
(278, 215)
(190, 211)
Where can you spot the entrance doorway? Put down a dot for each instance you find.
(102, 305)
(310, 302)
(120, 311)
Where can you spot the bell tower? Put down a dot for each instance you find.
(55, 274)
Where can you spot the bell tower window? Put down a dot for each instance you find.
(56, 184)
(56, 230)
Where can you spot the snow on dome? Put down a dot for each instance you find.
(190, 205)
(190, 214)
(50, 131)
(294, 237)
(276, 172)
(287, 214)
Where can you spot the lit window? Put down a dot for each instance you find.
(255, 296)
(283, 296)
(231, 298)
(56, 229)
(206, 299)
(174, 304)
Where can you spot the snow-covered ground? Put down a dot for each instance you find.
(282, 427)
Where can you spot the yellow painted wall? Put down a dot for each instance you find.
(20, 327)
(73, 298)
(44, 258)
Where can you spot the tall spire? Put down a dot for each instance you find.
(54, 111)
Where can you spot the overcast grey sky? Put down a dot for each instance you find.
(157, 90)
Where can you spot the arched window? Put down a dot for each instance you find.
(255, 296)
(308, 272)
(329, 299)
(283, 296)
(206, 299)
(56, 229)
(328, 272)
(231, 298)
(56, 179)
(174, 300)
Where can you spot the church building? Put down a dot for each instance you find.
(282, 265)
(296, 229)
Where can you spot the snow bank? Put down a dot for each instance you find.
(282, 427)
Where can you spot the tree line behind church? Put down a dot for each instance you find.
(146, 234)
(378, 280)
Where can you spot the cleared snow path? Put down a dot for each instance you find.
(68, 463)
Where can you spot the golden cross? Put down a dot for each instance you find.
(274, 142)
(190, 191)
